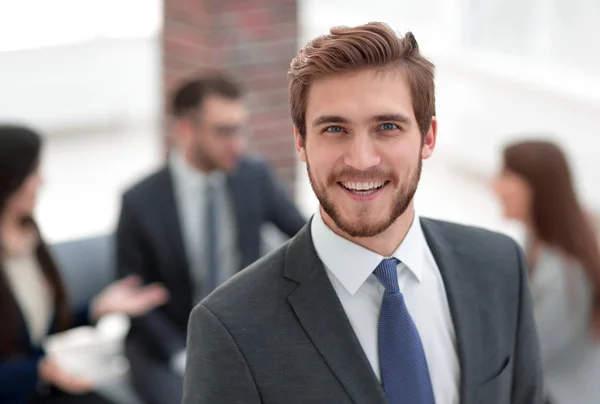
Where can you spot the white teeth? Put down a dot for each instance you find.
(363, 186)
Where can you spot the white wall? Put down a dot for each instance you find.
(84, 177)
(105, 83)
(481, 110)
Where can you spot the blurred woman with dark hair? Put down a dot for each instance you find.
(536, 188)
(33, 299)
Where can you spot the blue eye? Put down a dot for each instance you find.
(334, 129)
(389, 126)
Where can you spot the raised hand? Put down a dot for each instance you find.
(127, 296)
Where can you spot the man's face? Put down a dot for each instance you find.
(215, 138)
(363, 149)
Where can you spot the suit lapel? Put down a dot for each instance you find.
(322, 316)
(248, 211)
(464, 306)
(172, 227)
(238, 197)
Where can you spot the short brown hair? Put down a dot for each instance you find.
(373, 45)
(191, 93)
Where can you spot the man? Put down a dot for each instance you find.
(369, 303)
(195, 223)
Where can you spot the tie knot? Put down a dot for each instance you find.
(387, 274)
(211, 190)
(210, 184)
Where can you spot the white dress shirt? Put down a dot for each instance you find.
(190, 196)
(350, 269)
(32, 293)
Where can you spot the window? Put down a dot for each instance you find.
(26, 24)
(550, 35)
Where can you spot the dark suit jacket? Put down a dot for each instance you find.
(19, 372)
(150, 243)
(277, 333)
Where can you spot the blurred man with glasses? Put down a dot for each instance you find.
(194, 223)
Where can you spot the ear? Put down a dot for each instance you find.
(300, 145)
(429, 140)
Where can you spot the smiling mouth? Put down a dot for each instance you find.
(363, 188)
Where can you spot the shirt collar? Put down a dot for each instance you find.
(352, 264)
(190, 177)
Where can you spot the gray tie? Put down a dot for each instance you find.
(213, 262)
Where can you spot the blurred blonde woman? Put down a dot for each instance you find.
(536, 188)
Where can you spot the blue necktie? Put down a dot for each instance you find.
(404, 371)
(211, 279)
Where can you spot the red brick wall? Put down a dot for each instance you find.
(253, 39)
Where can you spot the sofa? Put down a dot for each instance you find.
(87, 266)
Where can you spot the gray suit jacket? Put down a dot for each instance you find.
(277, 333)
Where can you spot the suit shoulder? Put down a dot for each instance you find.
(253, 160)
(492, 260)
(472, 237)
(251, 169)
(146, 187)
(261, 283)
(253, 165)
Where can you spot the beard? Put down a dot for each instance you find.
(203, 159)
(359, 225)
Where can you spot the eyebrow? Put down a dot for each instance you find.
(332, 119)
(390, 117)
(327, 119)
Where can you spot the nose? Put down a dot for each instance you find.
(362, 153)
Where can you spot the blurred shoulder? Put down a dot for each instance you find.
(252, 162)
(148, 186)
